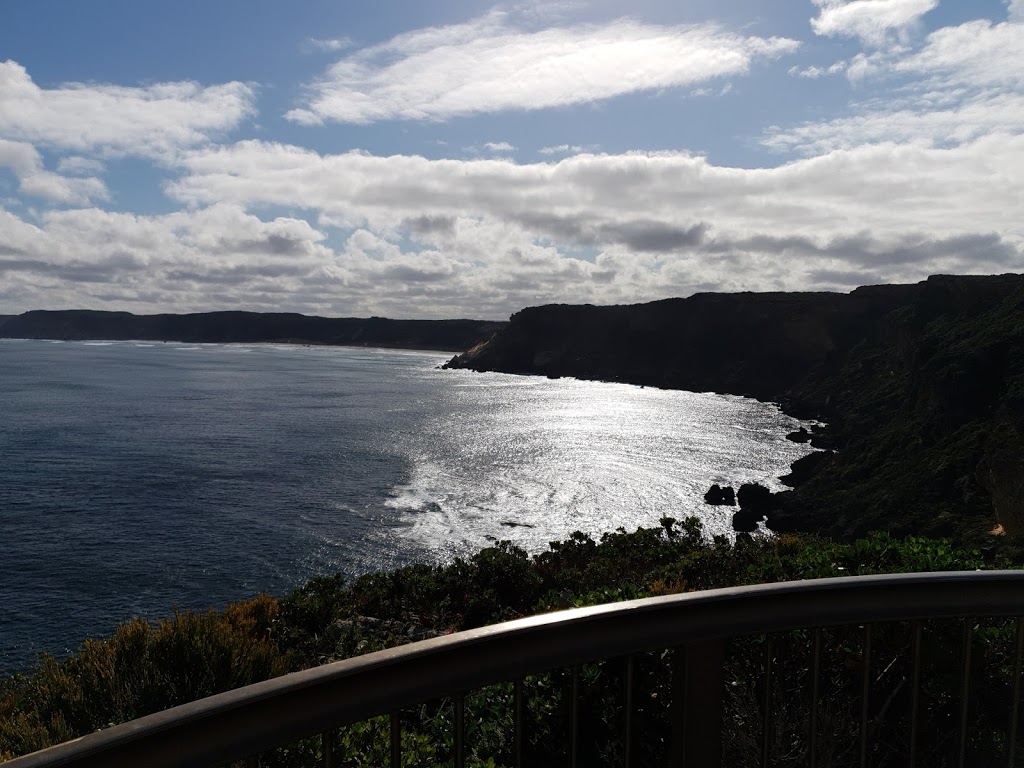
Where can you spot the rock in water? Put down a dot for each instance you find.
(720, 496)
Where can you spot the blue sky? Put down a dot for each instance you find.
(409, 160)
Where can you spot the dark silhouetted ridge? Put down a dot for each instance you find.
(248, 327)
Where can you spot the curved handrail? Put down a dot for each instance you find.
(260, 716)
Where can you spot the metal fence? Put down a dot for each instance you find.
(242, 723)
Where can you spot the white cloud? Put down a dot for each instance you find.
(964, 121)
(561, 149)
(499, 146)
(601, 199)
(679, 222)
(21, 157)
(190, 260)
(873, 21)
(407, 236)
(149, 120)
(977, 53)
(1015, 9)
(330, 45)
(76, 165)
(814, 72)
(488, 65)
(962, 83)
(35, 181)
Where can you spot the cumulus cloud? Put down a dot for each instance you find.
(875, 22)
(187, 260)
(35, 181)
(579, 198)
(659, 223)
(148, 120)
(489, 65)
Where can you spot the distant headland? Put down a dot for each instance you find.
(247, 327)
(922, 388)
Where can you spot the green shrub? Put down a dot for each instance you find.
(140, 669)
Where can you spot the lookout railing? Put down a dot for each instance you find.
(241, 724)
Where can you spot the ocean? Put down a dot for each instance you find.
(141, 477)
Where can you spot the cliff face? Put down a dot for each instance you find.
(922, 386)
(761, 344)
(248, 327)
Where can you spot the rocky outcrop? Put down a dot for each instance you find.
(719, 496)
(250, 327)
(756, 504)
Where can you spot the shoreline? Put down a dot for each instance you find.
(274, 342)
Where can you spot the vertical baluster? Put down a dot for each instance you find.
(915, 692)
(965, 684)
(327, 748)
(677, 712)
(865, 701)
(766, 742)
(1015, 708)
(627, 747)
(705, 689)
(396, 741)
(517, 704)
(815, 677)
(574, 746)
(460, 731)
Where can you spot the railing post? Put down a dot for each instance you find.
(460, 731)
(697, 700)
(327, 749)
(395, 730)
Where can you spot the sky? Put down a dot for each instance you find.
(466, 159)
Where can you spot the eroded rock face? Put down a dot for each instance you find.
(1004, 481)
(756, 503)
(746, 521)
(755, 498)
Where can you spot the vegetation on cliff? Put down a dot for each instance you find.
(143, 668)
(922, 388)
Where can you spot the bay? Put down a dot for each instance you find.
(136, 477)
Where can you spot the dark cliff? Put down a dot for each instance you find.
(248, 327)
(922, 386)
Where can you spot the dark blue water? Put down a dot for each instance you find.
(135, 478)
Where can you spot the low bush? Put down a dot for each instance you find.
(143, 667)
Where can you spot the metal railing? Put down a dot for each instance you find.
(242, 723)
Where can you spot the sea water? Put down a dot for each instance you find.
(140, 477)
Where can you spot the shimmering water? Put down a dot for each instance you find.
(138, 477)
